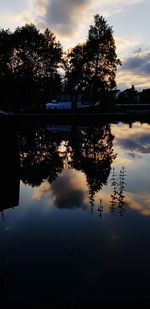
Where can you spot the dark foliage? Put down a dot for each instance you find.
(29, 62)
(91, 67)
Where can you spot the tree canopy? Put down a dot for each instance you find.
(92, 66)
(29, 63)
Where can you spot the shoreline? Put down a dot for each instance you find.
(84, 117)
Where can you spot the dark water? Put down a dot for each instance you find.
(75, 215)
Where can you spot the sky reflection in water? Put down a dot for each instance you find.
(81, 232)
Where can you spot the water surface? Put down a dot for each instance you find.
(75, 215)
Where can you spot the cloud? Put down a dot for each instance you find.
(123, 130)
(136, 141)
(108, 12)
(126, 78)
(70, 190)
(124, 44)
(135, 70)
(110, 7)
(129, 2)
(71, 18)
(137, 144)
(68, 19)
(43, 190)
(139, 203)
(138, 62)
(41, 8)
(20, 14)
(62, 17)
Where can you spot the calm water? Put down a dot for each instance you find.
(75, 215)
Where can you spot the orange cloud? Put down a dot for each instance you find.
(140, 203)
(41, 191)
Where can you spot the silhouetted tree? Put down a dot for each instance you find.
(29, 66)
(102, 57)
(92, 66)
(39, 156)
(74, 66)
(5, 70)
(88, 150)
(5, 51)
(35, 61)
(93, 154)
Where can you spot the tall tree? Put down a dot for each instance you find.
(51, 57)
(29, 62)
(102, 57)
(74, 64)
(5, 71)
(5, 51)
(25, 62)
(94, 64)
(36, 59)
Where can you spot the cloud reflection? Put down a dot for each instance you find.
(135, 140)
(43, 190)
(139, 203)
(69, 190)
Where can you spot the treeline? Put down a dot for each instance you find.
(31, 65)
(29, 62)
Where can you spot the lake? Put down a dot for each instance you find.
(75, 215)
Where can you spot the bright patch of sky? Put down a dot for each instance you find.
(70, 21)
(14, 5)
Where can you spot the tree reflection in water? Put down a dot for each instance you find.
(46, 151)
(9, 165)
(93, 154)
(39, 156)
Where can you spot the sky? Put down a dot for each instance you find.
(70, 21)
